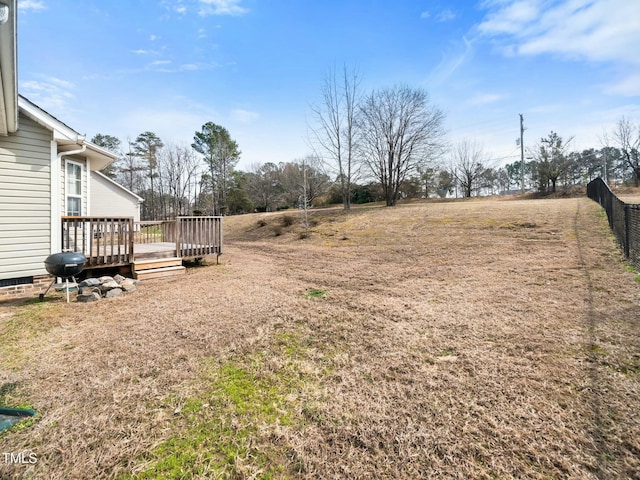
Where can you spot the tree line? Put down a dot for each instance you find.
(384, 145)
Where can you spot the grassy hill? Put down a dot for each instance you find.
(470, 339)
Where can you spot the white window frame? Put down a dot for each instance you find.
(68, 195)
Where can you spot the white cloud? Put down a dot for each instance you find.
(446, 15)
(35, 5)
(450, 63)
(486, 98)
(511, 19)
(52, 94)
(221, 7)
(167, 66)
(627, 87)
(442, 16)
(593, 30)
(153, 38)
(244, 116)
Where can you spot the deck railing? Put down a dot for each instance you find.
(103, 240)
(109, 241)
(198, 236)
(154, 231)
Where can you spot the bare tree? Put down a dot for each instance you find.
(627, 137)
(177, 165)
(302, 181)
(400, 131)
(264, 186)
(130, 171)
(469, 166)
(335, 134)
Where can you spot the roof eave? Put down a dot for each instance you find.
(66, 137)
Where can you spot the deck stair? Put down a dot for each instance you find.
(145, 269)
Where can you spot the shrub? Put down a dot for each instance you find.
(262, 222)
(288, 220)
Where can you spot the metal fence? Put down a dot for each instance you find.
(624, 219)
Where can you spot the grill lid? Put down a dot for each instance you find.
(65, 264)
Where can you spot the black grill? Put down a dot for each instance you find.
(65, 264)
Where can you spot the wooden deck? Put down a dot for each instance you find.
(119, 241)
(154, 250)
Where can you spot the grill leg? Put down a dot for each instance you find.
(41, 296)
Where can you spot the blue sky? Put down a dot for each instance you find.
(256, 66)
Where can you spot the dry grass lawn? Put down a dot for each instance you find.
(478, 339)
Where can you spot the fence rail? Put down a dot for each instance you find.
(624, 219)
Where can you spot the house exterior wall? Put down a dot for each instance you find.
(25, 200)
(108, 200)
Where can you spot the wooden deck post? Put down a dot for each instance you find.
(178, 237)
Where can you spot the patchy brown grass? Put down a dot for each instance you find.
(478, 339)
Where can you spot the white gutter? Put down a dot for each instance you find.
(8, 68)
(56, 212)
(73, 152)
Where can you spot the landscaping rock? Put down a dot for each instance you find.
(88, 297)
(114, 292)
(109, 285)
(128, 286)
(93, 289)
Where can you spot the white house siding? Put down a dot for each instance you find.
(109, 200)
(25, 200)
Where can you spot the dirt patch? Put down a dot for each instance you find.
(475, 339)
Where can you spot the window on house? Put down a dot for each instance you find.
(74, 189)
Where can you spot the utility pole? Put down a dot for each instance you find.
(521, 154)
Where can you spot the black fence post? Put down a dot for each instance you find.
(627, 228)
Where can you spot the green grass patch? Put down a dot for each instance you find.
(448, 352)
(315, 293)
(228, 430)
(29, 321)
(597, 349)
